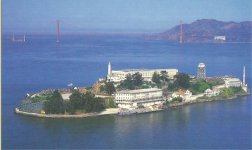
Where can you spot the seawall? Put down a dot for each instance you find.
(110, 111)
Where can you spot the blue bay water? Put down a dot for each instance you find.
(81, 59)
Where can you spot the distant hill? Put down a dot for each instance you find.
(205, 30)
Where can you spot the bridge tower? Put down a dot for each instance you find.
(181, 32)
(58, 31)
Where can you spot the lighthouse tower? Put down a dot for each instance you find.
(244, 85)
(109, 72)
(109, 69)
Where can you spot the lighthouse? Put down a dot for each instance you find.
(109, 72)
(109, 69)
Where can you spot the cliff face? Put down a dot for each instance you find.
(205, 30)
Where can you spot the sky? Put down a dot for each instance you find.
(148, 16)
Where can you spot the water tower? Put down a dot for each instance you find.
(201, 74)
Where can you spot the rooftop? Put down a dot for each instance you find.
(129, 70)
(139, 91)
(201, 65)
(232, 79)
(66, 96)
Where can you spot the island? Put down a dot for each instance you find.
(133, 91)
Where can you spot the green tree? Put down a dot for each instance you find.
(237, 90)
(111, 103)
(203, 86)
(102, 88)
(98, 105)
(172, 87)
(132, 81)
(156, 78)
(69, 108)
(128, 77)
(109, 88)
(177, 99)
(227, 92)
(88, 98)
(137, 79)
(87, 102)
(164, 76)
(55, 104)
(160, 79)
(93, 104)
(128, 82)
(182, 80)
(76, 100)
(200, 86)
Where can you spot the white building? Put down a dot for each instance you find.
(210, 93)
(131, 99)
(119, 75)
(232, 82)
(236, 82)
(185, 95)
(220, 38)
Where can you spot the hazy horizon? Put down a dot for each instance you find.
(115, 16)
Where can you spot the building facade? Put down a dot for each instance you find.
(120, 75)
(184, 94)
(210, 93)
(232, 82)
(131, 99)
(236, 82)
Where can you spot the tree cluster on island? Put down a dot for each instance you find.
(229, 92)
(77, 103)
(136, 81)
(131, 82)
